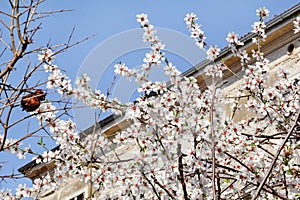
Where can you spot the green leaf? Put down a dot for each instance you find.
(227, 180)
(41, 143)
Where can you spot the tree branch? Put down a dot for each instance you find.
(181, 175)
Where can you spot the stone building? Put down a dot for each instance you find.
(282, 48)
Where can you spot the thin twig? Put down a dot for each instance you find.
(213, 144)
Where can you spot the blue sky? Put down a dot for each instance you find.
(111, 20)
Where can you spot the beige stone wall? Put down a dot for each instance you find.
(67, 192)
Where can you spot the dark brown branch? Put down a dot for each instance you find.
(163, 187)
(181, 176)
(151, 184)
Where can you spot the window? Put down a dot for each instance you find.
(78, 197)
(290, 49)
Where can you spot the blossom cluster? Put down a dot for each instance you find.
(259, 27)
(234, 43)
(297, 25)
(83, 92)
(154, 57)
(180, 143)
(196, 32)
(212, 52)
(24, 191)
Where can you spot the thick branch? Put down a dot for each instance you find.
(181, 175)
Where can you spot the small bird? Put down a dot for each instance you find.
(31, 102)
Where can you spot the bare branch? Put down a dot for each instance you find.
(181, 175)
(4, 24)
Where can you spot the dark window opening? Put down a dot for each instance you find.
(78, 197)
(290, 48)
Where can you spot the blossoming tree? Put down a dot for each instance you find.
(182, 144)
(22, 85)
